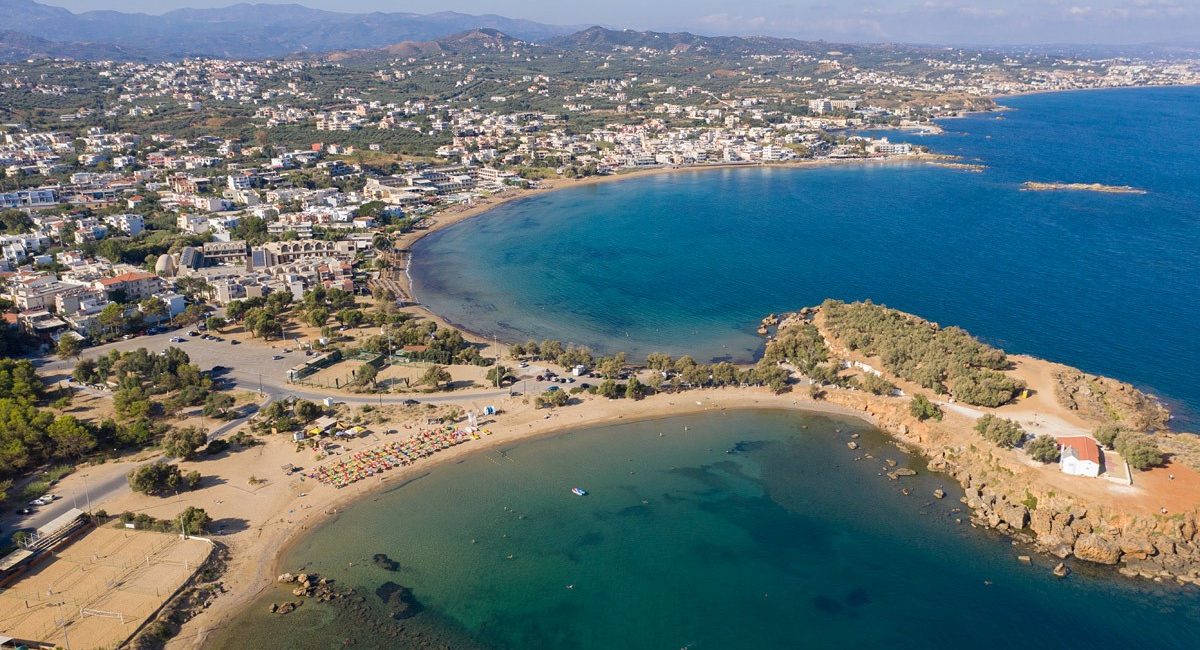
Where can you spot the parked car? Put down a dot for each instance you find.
(235, 342)
(193, 333)
(277, 357)
(25, 511)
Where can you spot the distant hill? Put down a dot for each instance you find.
(252, 30)
(15, 46)
(469, 42)
(600, 39)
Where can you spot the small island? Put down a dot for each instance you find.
(1034, 186)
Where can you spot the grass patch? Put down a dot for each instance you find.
(1030, 501)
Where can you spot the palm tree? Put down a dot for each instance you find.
(382, 242)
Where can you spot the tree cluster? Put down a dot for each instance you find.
(1003, 432)
(944, 360)
(160, 479)
(923, 409)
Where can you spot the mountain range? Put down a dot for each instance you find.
(236, 31)
(32, 30)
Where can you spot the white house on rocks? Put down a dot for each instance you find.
(1080, 456)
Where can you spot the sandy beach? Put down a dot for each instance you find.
(280, 512)
(262, 521)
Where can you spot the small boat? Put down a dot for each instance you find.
(578, 491)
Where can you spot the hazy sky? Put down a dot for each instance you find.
(929, 21)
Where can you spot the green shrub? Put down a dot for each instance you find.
(1043, 449)
(876, 385)
(1139, 450)
(921, 408)
(1106, 434)
(1005, 433)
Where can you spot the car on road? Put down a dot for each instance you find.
(552, 389)
(25, 511)
(411, 402)
(219, 369)
(524, 364)
(177, 339)
(277, 357)
(235, 342)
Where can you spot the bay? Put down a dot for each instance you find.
(688, 262)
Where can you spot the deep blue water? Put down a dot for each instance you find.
(689, 262)
(788, 543)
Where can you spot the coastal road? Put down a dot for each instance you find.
(99, 483)
(251, 366)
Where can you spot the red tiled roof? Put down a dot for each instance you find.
(131, 276)
(1085, 448)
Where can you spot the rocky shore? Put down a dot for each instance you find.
(1004, 493)
(1166, 549)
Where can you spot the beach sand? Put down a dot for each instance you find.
(263, 521)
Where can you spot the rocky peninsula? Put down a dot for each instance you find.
(1143, 521)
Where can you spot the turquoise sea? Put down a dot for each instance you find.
(787, 542)
(689, 262)
(762, 529)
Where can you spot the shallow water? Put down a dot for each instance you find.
(687, 263)
(786, 542)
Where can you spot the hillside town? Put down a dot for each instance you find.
(203, 269)
(330, 165)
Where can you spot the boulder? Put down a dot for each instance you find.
(1094, 548)
(1015, 515)
(904, 471)
(1137, 548)
(939, 493)
(852, 445)
(287, 577)
(1062, 570)
(1041, 521)
(399, 599)
(384, 562)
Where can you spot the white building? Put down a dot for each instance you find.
(1079, 456)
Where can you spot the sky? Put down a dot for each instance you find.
(920, 21)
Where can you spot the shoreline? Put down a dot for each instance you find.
(271, 554)
(326, 512)
(458, 215)
(1026, 93)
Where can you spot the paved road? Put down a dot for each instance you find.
(96, 485)
(252, 367)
